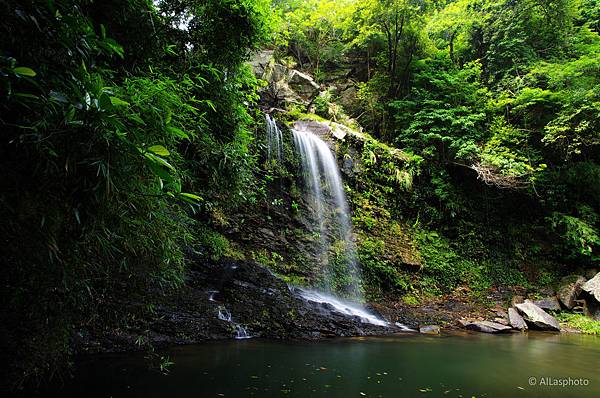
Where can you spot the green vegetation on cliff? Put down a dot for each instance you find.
(500, 102)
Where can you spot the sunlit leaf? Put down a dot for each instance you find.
(118, 102)
(24, 71)
(159, 150)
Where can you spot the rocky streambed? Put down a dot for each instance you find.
(575, 294)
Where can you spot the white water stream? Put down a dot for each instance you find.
(324, 192)
(274, 140)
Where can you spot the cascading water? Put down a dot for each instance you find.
(240, 330)
(343, 306)
(274, 140)
(325, 194)
(224, 314)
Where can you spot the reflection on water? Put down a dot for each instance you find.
(464, 365)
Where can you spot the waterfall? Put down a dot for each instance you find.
(274, 140)
(239, 330)
(224, 314)
(325, 195)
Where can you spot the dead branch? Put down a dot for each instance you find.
(490, 175)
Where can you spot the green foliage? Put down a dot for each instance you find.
(377, 270)
(448, 265)
(580, 322)
(447, 123)
(579, 233)
(215, 244)
(341, 274)
(120, 127)
(313, 29)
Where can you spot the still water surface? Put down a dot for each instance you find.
(466, 365)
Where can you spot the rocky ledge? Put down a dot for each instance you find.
(234, 299)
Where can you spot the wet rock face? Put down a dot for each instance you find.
(260, 302)
(269, 308)
(220, 301)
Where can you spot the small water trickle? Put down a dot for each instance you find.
(211, 295)
(240, 331)
(224, 314)
(274, 140)
(404, 328)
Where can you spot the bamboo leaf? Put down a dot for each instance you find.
(24, 71)
(159, 150)
(118, 101)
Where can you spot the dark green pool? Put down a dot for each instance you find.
(471, 365)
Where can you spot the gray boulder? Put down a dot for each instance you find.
(569, 290)
(593, 287)
(429, 329)
(516, 320)
(303, 84)
(487, 327)
(536, 317)
(260, 61)
(548, 303)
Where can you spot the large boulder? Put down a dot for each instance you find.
(260, 62)
(569, 289)
(487, 327)
(591, 307)
(592, 287)
(536, 317)
(548, 303)
(303, 84)
(516, 320)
